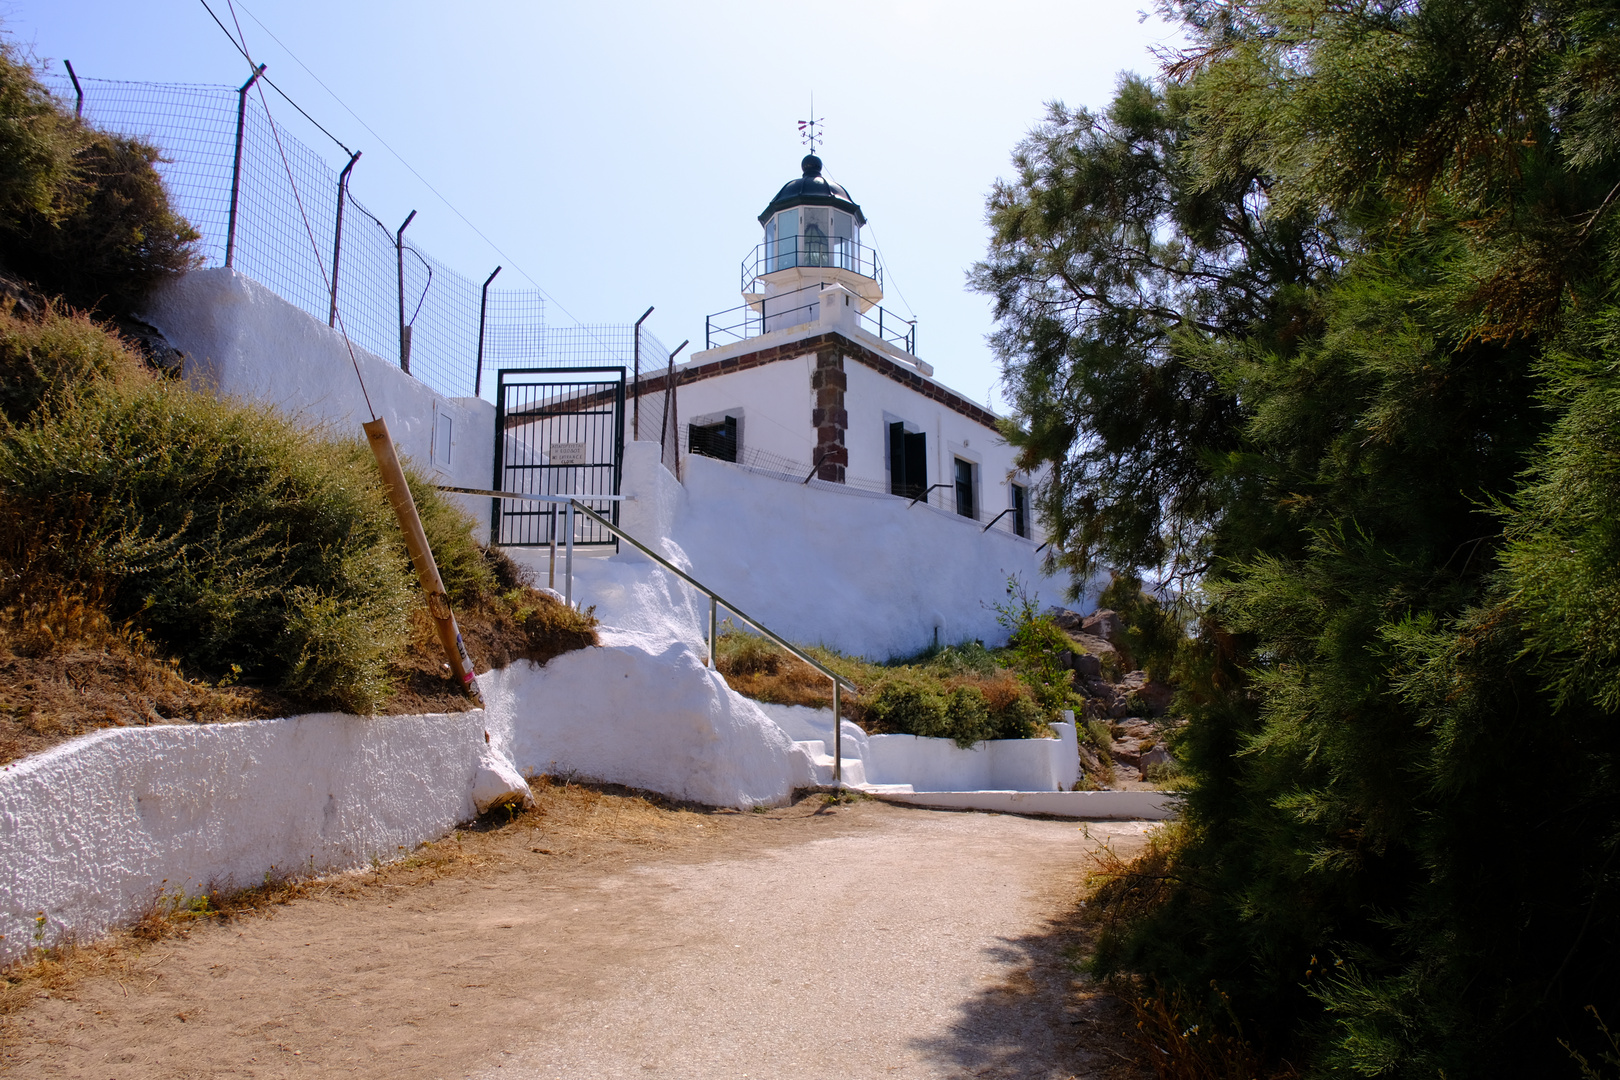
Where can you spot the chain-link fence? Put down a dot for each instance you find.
(298, 229)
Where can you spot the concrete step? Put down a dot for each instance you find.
(854, 770)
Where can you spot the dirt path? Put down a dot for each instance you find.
(861, 940)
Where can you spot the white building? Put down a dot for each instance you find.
(810, 373)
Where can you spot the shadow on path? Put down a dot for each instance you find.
(1045, 1019)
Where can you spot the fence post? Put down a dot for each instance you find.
(838, 736)
(78, 108)
(236, 166)
(636, 390)
(404, 330)
(337, 234)
(714, 630)
(483, 309)
(669, 400)
(568, 558)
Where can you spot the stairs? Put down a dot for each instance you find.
(854, 771)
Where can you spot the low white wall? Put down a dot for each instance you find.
(93, 831)
(654, 720)
(242, 340)
(1086, 805)
(999, 764)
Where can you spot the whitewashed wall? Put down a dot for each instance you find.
(773, 403)
(866, 574)
(242, 340)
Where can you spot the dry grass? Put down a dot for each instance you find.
(499, 629)
(123, 955)
(1174, 1046)
(66, 669)
(1179, 1049)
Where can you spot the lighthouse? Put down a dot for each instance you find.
(812, 239)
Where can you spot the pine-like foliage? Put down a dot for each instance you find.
(1325, 320)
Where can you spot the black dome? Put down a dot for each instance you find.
(812, 189)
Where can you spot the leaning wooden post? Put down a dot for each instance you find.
(399, 494)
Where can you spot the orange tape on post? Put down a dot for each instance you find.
(399, 496)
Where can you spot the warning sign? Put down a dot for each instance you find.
(567, 453)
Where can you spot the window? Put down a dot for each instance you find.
(1020, 510)
(908, 461)
(714, 440)
(787, 240)
(964, 488)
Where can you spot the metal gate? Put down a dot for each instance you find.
(558, 431)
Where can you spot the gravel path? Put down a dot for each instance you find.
(872, 941)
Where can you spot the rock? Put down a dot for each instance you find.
(1066, 620)
(1156, 756)
(152, 344)
(498, 783)
(1086, 668)
(1156, 696)
(1106, 625)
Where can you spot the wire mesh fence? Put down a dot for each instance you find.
(300, 231)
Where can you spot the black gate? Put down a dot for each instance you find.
(558, 431)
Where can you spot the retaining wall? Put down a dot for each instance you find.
(95, 831)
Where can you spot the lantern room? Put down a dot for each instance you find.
(812, 240)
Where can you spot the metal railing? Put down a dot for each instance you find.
(716, 601)
(796, 307)
(819, 253)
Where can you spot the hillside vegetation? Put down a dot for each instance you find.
(1322, 324)
(169, 556)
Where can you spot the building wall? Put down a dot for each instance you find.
(773, 401)
(873, 401)
(864, 573)
(242, 340)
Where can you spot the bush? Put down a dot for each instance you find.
(1034, 644)
(909, 704)
(1152, 635)
(231, 536)
(83, 214)
(48, 357)
(234, 539)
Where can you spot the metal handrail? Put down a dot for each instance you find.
(753, 318)
(716, 601)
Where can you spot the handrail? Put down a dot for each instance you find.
(716, 601)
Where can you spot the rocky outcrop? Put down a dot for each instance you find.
(1133, 706)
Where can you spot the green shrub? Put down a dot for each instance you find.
(234, 538)
(908, 703)
(1022, 718)
(1034, 645)
(47, 357)
(83, 214)
(465, 566)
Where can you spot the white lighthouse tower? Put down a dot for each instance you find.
(812, 240)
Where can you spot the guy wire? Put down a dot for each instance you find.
(298, 199)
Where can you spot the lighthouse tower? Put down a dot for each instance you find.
(812, 240)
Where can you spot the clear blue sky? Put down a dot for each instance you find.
(619, 153)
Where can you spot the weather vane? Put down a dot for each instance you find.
(809, 130)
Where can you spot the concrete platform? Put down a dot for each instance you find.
(1081, 805)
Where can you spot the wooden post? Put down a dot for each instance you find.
(427, 571)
